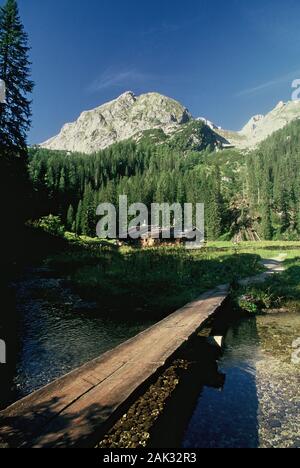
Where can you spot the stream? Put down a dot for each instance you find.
(259, 405)
(57, 332)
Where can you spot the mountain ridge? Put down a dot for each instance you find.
(119, 120)
(129, 116)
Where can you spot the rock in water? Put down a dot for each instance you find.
(216, 341)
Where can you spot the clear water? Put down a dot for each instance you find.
(259, 406)
(57, 333)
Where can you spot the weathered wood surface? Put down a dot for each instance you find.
(68, 411)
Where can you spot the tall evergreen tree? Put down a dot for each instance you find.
(70, 217)
(213, 207)
(213, 217)
(266, 225)
(15, 115)
(284, 205)
(267, 229)
(78, 219)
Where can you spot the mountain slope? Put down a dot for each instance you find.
(245, 193)
(119, 120)
(260, 127)
(130, 116)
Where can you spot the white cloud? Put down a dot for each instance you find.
(288, 78)
(117, 79)
(167, 27)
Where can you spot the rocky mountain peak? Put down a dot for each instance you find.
(260, 127)
(118, 120)
(129, 116)
(253, 123)
(209, 123)
(280, 105)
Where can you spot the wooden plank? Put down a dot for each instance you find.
(67, 412)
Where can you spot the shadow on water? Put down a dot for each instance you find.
(17, 249)
(229, 418)
(52, 335)
(48, 330)
(216, 403)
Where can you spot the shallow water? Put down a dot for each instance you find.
(259, 406)
(57, 333)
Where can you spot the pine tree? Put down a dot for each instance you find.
(62, 182)
(78, 219)
(213, 207)
(267, 230)
(213, 217)
(284, 205)
(15, 115)
(70, 217)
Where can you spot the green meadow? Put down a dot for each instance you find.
(156, 281)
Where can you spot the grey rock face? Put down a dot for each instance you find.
(129, 116)
(261, 127)
(119, 120)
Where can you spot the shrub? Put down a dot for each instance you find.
(51, 224)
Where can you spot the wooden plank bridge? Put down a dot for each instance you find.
(79, 406)
(67, 412)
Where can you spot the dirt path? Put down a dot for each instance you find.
(272, 265)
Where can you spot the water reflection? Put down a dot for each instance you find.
(57, 332)
(259, 404)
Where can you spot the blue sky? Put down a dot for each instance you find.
(225, 60)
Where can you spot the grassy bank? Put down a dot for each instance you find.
(155, 282)
(255, 246)
(279, 292)
(152, 282)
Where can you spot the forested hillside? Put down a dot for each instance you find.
(273, 174)
(243, 193)
(73, 186)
